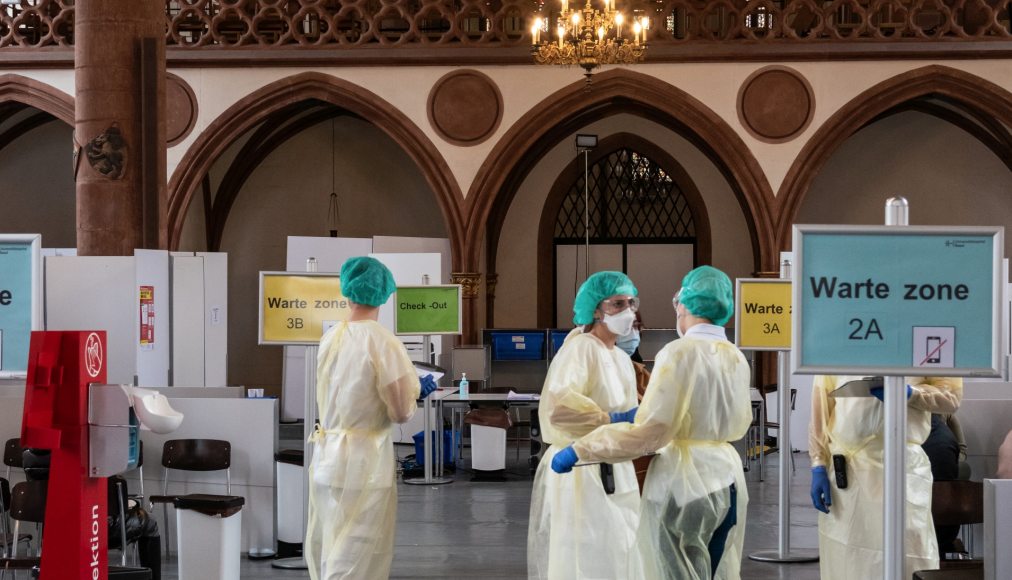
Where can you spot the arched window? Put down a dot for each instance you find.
(644, 217)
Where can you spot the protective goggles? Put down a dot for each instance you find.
(616, 305)
(675, 301)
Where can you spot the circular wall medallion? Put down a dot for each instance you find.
(465, 107)
(775, 104)
(180, 109)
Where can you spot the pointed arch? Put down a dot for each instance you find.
(258, 106)
(985, 103)
(16, 88)
(614, 92)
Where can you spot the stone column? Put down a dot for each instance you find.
(470, 288)
(119, 63)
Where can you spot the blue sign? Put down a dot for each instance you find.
(891, 300)
(19, 263)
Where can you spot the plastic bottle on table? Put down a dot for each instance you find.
(463, 386)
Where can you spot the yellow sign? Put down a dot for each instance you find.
(298, 308)
(763, 314)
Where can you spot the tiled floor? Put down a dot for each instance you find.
(467, 530)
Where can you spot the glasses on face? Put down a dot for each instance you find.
(616, 305)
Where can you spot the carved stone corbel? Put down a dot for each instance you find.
(469, 281)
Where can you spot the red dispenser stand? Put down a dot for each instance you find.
(61, 365)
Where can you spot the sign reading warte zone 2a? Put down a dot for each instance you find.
(889, 300)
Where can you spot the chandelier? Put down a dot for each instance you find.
(590, 38)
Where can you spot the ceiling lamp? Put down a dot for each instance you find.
(590, 38)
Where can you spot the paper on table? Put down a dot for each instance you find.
(515, 396)
(857, 387)
(436, 375)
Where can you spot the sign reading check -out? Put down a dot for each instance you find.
(886, 300)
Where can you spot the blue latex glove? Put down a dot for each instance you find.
(428, 386)
(879, 392)
(624, 416)
(822, 494)
(564, 460)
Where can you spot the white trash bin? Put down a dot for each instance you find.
(488, 448)
(290, 494)
(208, 536)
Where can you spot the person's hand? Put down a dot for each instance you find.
(822, 494)
(564, 460)
(624, 416)
(879, 392)
(428, 386)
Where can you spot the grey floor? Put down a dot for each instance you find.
(467, 530)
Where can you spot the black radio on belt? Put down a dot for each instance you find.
(608, 478)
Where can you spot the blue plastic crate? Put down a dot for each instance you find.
(558, 337)
(518, 345)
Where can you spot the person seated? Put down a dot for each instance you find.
(140, 528)
(942, 450)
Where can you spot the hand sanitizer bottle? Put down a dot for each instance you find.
(463, 386)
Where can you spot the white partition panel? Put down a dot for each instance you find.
(152, 272)
(250, 425)
(215, 318)
(97, 293)
(657, 270)
(570, 272)
(187, 320)
(330, 254)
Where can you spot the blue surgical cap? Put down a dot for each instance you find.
(595, 289)
(367, 281)
(707, 293)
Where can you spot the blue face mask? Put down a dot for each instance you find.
(629, 342)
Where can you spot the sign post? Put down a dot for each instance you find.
(897, 301)
(762, 323)
(20, 300)
(428, 310)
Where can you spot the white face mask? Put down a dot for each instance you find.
(620, 324)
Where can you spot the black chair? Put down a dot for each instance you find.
(12, 455)
(28, 504)
(192, 455)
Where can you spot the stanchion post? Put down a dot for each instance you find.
(897, 213)
(784, 554)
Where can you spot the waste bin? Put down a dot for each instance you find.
(488, 443)
(209, 536)
(291, 525)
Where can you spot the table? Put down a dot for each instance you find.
(436, 398)
(456, 402)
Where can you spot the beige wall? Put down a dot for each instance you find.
(949, 177)
(516, 292)
(381, 193)
(37, 192)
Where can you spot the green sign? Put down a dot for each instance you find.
(897, 300)
(427, 309)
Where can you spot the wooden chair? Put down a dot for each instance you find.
(191, 455)
(28, 504)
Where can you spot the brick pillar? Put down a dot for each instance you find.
(119, 64)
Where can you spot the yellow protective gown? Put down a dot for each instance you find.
(576, 530)
(365, 383)
(696, 402)
(850, 536)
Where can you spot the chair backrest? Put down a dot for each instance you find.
(957, 503)
(28, 501)
(197, 454)
(5, 496)
(12, 452)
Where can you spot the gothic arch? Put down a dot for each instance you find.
(21, 89)
(560, 189)
(258, 106)
(984, 101)
(614, 92)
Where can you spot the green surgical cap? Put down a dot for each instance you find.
(366, 281)
(706, 293)
(595, 289)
